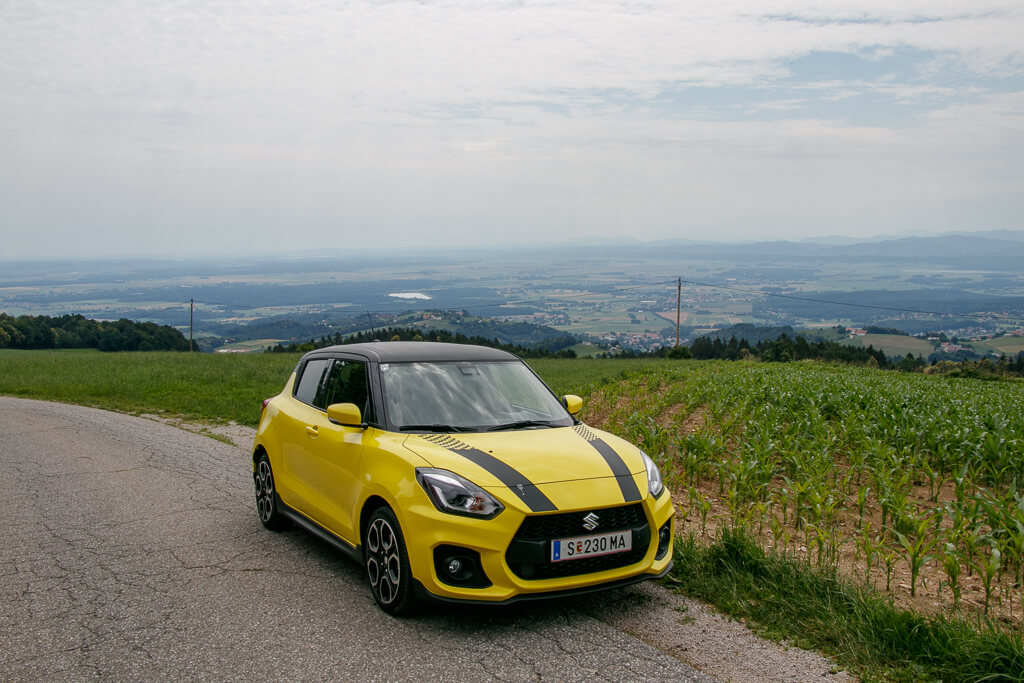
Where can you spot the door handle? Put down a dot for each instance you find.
(312, 431)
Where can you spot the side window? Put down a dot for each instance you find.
(346, 382)
(309, 383)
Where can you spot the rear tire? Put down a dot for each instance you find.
(387, 563)
(266, 496)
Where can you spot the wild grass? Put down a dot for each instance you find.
(790, 600)
(216, 387)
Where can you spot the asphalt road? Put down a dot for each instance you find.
(130, 549)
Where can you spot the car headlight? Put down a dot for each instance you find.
(654, 484)
(453, 494)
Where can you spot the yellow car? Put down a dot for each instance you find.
(453, 473)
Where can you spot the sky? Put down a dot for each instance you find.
(213, 127)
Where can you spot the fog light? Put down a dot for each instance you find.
(457, 566)
(664, 539)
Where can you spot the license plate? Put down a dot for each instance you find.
(591, 546)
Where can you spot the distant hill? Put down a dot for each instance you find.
(752, 334)
(944, 301)
(991, 250)
(304, 327)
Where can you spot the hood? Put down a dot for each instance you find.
(541, 470)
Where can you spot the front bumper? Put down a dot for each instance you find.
(424, 594)
(515, 568)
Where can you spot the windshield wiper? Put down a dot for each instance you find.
(521, 424)
(434, 428)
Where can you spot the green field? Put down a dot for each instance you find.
(252, 345)
(894, 344)
(218, 387)
(1011, 346)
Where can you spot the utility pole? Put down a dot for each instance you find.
(371, 324)
(679, 306)
(191, 310)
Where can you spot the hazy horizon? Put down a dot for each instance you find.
(405, 253)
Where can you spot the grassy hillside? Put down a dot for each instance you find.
(1011, 346)
(217, 387)
(894, 344)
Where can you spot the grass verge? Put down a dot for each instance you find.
(787, 599)
(217, 387)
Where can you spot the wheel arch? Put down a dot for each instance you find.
(370, 505)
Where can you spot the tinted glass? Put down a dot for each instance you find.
(346, 383)
(309, 382)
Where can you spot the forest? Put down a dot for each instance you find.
(79, 332)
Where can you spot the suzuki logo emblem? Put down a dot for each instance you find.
(590, 521)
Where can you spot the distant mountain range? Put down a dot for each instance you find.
(981, 250)
(990, 250)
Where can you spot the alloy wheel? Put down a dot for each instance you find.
(264, 480)
(383, 561)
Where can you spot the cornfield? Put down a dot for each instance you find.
(913, 482)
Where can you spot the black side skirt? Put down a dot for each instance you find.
(354, 552)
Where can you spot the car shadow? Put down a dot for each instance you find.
(471, 617)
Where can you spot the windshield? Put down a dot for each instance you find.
(464, 396)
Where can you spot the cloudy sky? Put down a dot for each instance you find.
(212, 126)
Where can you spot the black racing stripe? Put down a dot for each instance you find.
(510, 477)
(630, 493)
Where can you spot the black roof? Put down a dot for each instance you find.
(406, 351)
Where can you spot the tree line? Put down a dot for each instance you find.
(785, 349)
(782, 349)
(79, 332)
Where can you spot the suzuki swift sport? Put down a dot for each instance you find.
(452, 473)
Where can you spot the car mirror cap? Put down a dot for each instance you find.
(345, 414)
(572, 403)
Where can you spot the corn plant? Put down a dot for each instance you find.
(917, 547)
(952, 563)
(862, 503)
(868, 544)
(987, 568)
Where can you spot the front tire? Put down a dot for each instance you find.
(266, 496)
(387, 563)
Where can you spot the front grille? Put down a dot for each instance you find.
(546, 527)
(529, 553)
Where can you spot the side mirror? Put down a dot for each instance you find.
(345, 414)
(572, 403)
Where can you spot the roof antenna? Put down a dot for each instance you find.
(373, 331)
